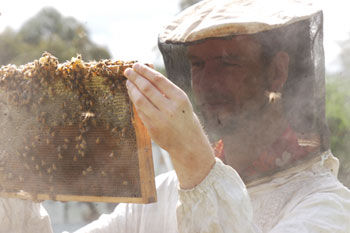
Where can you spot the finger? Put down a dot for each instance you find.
(144, 118)
(158, 99)
(158, 80)
(141, 103)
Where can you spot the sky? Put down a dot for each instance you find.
(129, 28)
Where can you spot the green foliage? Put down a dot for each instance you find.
(338, 116)
(64, 37)
(338, 101)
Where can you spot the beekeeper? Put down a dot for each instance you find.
(254, 71)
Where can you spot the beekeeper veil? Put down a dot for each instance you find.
(292, 26)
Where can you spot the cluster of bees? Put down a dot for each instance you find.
(63, 126)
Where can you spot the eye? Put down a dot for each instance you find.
(231, 63)
(197, 64)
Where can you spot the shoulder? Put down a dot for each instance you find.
(324, 208)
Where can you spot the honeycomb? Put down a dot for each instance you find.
(66, 129)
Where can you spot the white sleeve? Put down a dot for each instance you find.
(220, 203)
(327, 211)
(142, 218)
(22, 216)
(125, 218)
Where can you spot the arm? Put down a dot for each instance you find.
(212, 197)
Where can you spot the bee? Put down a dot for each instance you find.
(89, 169)
(108, 126)
(98, 140)
(87, 115)
(114, 130)
(54, 167)
(41, 100)
(82, 145)
(124, 132)
(273, 96)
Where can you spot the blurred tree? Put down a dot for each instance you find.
(338, 116)
(338, 112)
(63, 37)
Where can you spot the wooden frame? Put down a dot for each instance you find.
(78, 138)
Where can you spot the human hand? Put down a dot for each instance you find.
(168, 115)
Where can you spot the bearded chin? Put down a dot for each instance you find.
(218, 127)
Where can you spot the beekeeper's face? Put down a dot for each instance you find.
(229, 80)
